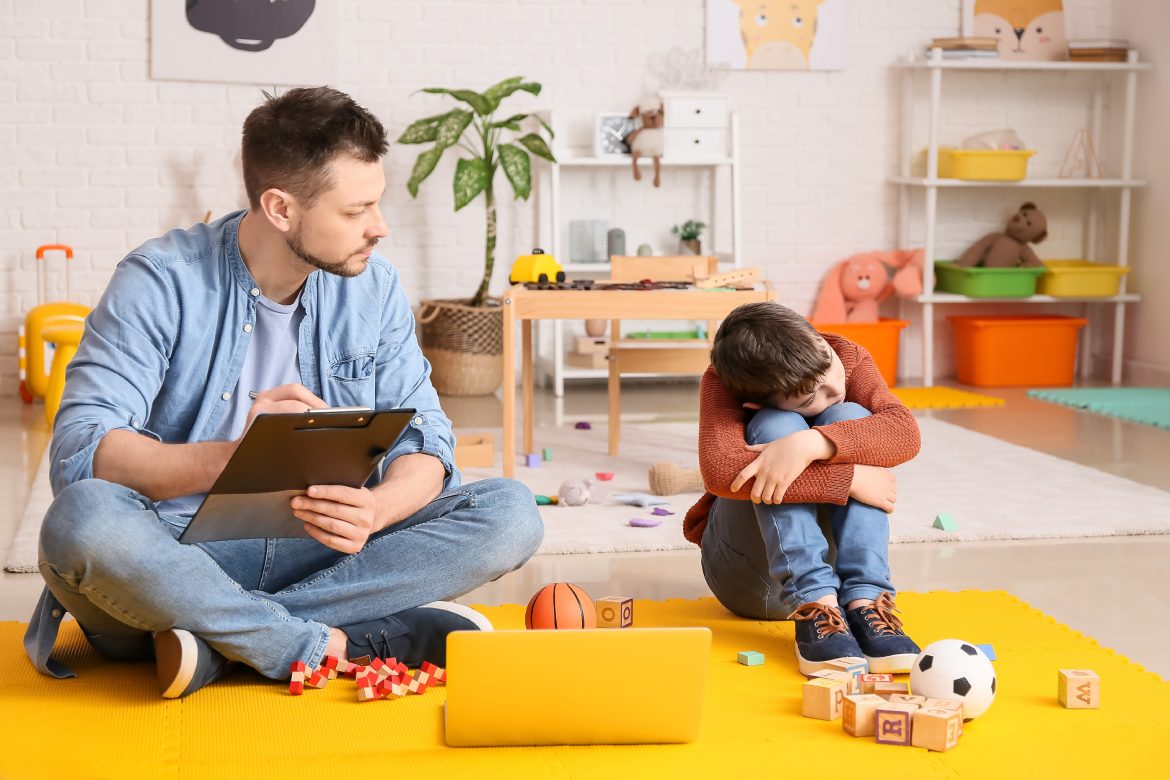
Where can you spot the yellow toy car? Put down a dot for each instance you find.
(536, 267)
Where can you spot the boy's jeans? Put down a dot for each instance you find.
(110, 560)
(764, 560)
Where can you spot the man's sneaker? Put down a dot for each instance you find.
(879, 632)
(185, 663)
(821, 636)
(414, 635)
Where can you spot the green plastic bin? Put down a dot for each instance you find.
(986, 282)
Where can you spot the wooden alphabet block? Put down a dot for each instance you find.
(936, 728)
(822, 699)
(833, 674)
(1078, 689)
(888, 689)
(893, 723)
(615, 612)
(946, 704)
(857, 713)
(906, 697)
(869, 680)
(854, 666)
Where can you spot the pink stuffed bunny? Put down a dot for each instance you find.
(854, 287)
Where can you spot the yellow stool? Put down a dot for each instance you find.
(66, 337)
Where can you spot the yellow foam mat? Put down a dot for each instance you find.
(110, 722)
(942, 398)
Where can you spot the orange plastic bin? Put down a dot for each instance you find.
(880, 338)
(997, 351)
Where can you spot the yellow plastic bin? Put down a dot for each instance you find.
(995, 351)
(983, 164)
(879, 338)
(1081, 279)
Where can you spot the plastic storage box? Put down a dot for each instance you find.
(880, 338)
(983, 164)
(996, 351)
(986, 282)
(1081, 279)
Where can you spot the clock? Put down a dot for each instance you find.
(609, 139)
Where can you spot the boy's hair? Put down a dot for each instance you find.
(290, 140)
(764, 351)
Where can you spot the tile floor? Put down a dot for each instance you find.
(1116, 590)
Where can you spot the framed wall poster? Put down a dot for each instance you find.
(776, 34)
(244, 41)
(1026, 29)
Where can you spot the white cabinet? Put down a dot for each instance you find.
(701, 133)
(931, 185)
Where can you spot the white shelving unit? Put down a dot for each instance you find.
(553, 237)
(930, 185)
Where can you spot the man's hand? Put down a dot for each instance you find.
(285, 399)
(875, 486)
(779, 464)
(337, 516)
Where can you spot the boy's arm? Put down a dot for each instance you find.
(888, 437)
(723, 453)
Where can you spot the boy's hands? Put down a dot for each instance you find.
(780, 463)
(337, 516)
(875, 486)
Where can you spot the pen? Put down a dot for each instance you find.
(253, 394)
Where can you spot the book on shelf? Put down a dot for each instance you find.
(964, 54)
(964, 42)
(1098, 43)
(1098, 55)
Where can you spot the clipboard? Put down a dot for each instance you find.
(280, 456)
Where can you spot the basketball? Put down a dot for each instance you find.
(560, 605)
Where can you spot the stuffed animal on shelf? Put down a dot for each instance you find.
(855, 287)
(649, 140)
(1010, 249)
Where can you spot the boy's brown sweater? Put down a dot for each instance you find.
(887, 437)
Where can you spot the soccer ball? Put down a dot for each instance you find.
(956, 670)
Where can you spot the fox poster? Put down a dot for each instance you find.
(1025, 29)
(776, 34)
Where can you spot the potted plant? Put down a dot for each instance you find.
(463, 338)
(688, 236)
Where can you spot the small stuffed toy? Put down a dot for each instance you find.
(649, 140)
(854, 287)
(573, 492)
(1010, 249)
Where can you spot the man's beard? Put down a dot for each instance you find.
(340, 268)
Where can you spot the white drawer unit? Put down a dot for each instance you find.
(696, 126)
(707, 143)
(695, 109)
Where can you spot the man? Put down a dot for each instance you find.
(283, 307)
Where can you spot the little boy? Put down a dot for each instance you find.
(824, 430)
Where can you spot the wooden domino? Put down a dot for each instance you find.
(1078, 689)
(615, 612)
(822, 698)
(893, 723)
(869, 680)
(857, 713)
(936, 728)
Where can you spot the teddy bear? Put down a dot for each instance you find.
(1010, 249)
(649, 140)
(854, 287)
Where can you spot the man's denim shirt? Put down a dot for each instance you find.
(164, 348)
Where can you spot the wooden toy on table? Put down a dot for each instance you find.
(615, 612)
(1078, 689)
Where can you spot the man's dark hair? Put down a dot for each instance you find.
(764, 351)
(290, 140)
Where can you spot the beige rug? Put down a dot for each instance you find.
(992, 489)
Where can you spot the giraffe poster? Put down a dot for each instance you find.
(244, 41)
(776, 34)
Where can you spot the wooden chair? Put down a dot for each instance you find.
(654, 356)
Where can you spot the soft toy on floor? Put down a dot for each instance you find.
(854, 287)
(1010, 249)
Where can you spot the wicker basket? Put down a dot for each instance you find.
(465, 345)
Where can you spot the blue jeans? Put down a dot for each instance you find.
(762, 561)
(112, 561)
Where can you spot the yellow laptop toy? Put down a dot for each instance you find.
(591, 687)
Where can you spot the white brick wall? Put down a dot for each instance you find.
(95, 154)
